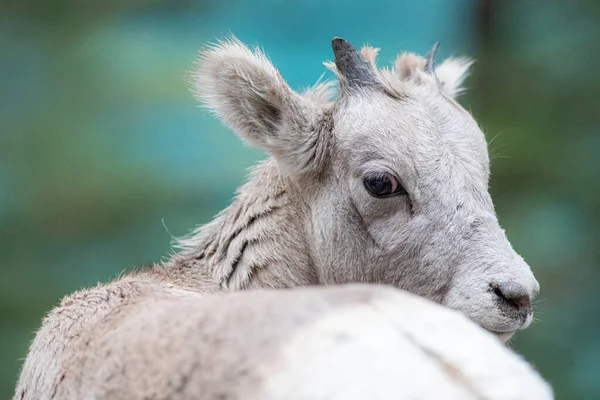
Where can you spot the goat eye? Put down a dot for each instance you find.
(383, 185)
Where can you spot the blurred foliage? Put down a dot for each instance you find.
(104, 155)
(537, 86)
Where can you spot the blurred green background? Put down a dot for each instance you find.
(104, 155)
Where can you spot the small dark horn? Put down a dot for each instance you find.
(352, 65)
(430, 59)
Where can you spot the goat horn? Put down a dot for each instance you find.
(430, 59)
(352, 65)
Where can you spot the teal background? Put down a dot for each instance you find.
(105, 156)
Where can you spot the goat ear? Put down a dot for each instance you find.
(452, 73)
(246, 92)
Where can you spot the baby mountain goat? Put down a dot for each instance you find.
(385, 184)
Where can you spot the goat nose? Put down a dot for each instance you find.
(518, 299)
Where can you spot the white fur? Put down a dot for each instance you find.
(323, 343)
(362, 353)
(452, 73)
(305, 218)
(452, 250)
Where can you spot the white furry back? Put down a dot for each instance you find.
(399, 346)
(311, 343)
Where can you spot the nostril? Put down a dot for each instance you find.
(522, 302)
(499, 293)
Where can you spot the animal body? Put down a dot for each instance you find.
(309, 343)
(387, 183)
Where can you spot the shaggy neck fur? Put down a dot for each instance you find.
(260, 240)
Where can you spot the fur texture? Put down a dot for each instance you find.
(344, 342)
(305, 218)
(441, 241)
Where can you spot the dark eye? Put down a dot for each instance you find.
(382, 184)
